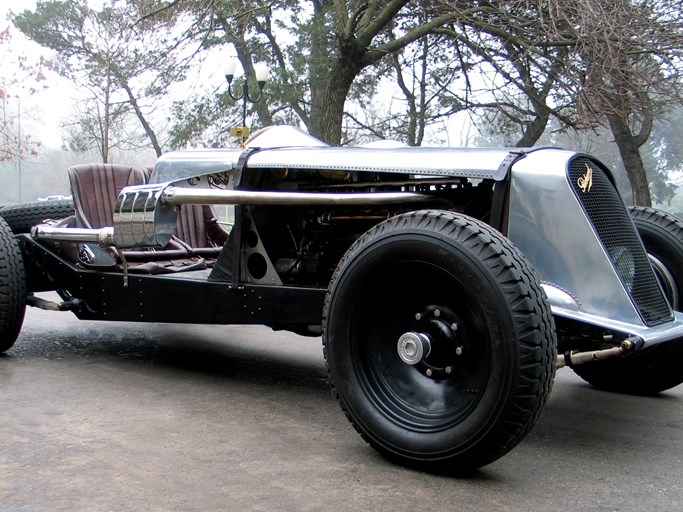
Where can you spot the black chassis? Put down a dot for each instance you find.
(101, 295)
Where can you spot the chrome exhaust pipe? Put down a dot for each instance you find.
(102, 236)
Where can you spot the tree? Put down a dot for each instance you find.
(624, 70)
(126, 63)
(511, 71)
(613, 64)
(21, 78)
(318, 49)
(421, 82)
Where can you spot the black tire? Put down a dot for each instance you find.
(12, 288)
(22, 217)
(456, 419)
(658, 368)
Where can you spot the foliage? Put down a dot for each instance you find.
(319, 50)
(614, 64)
(124, 62)
(352, 70)
(21, 78)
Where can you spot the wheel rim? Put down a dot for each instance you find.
(444, 386)
(666, 281)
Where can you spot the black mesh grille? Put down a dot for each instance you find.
(613, 225)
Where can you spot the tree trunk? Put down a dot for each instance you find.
(328, 126)
(630, 156)
(533, 130)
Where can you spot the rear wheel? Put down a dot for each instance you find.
(12, 288)
(658, 368)
(22, 217)
(438, 340)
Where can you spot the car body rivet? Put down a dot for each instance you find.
(458, 351)
(429, 372)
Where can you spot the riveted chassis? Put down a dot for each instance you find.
(103, 295)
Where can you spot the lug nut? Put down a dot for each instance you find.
(418, 316)
(437, 313)
(429, 372)
(458, 351)
(448, 369)
(454, 327)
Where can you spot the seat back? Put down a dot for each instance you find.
(195, 227)
(95, 188)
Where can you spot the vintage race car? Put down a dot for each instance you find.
(444, 282)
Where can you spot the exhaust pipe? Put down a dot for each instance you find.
(102, 236)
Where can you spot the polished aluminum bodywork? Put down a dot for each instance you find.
(472, 163)
(549, 225)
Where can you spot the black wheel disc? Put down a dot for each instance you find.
(440, 390)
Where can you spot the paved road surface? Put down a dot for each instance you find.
(125, 417)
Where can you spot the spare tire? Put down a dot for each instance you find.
(22, 217)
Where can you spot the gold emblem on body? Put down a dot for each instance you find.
(585, 182)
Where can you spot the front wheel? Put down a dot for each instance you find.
(658, 368)
(438, 340)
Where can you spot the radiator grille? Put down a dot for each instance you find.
(613, 225)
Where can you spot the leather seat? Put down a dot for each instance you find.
(197, 228)
(95, 188)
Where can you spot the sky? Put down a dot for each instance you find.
(43, 113)
(53, 107)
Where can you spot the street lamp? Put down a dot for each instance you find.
(261, 73)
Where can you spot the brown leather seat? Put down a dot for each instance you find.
(95, 188)
(197, 228)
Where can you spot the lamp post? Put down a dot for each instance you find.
(261, 73)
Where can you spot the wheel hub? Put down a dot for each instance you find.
(413, 347)
(432, 346)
